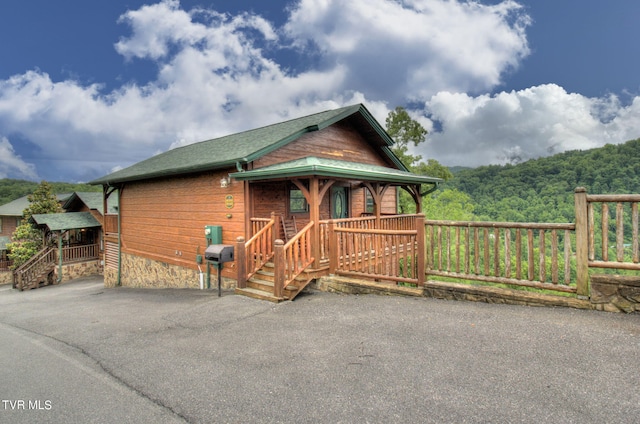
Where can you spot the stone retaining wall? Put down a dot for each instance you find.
(6, 277)
(451, 291)
(80, 269)
(147, 273)
(615, 293)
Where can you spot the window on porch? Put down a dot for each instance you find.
(297, 202)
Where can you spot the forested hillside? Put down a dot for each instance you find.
(541, 190)
(14, 189)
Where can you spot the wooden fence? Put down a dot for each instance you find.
(526, 254)
(408, 248)
(547, 256)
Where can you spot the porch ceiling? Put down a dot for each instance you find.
(333, 168)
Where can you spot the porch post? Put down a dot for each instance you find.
(276, 228)
(314, 215)
(582, 242)
(420, 239)
(333, 247)
(279, 264)
(241, 263)
(60, 258)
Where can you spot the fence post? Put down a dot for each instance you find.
(582, 242)
(275, 234)
(333, 247)
(279, 267)
(420, 269)
(241, 263)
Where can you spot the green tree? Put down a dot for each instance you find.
(27, 239)
(449, 204)
(406, 131)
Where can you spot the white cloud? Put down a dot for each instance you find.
(526, 124)
(12, 165)
(411, 49)
(219, 74)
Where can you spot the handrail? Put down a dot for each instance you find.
(34, 266)
(259, 249)
(292, 258)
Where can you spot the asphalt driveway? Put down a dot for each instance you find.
(79, 352)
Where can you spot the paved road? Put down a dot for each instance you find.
(82, 353)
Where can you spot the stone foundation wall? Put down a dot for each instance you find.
(6, 277)
(80, 269)
(615, 293)
(147, 273)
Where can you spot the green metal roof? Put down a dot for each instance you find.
(16, 207)
(66, 221)
(245, 147)
(313, 166)
(93, 200)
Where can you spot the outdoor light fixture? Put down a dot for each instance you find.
(224, 182)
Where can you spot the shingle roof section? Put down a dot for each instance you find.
(16, 207)
(229, 150)
(66, 221)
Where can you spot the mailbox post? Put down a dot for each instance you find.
(218, 255)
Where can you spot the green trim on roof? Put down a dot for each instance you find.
(313, 166)
(241, 148)
(66, 221)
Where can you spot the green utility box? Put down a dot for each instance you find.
(213, 234)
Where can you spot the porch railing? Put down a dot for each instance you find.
(80, 253)
(257, 251)
(5, 265)
(525, 254)
(292, 258)
(382, 254)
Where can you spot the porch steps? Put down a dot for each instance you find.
(260, 285)
(44, 277)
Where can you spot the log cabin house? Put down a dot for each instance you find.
(262, 191)
(72, 240)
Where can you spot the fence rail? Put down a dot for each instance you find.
(613, 218)
(526, 254)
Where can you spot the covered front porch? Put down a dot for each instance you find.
(345, 221)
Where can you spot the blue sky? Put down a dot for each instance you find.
(90, 87)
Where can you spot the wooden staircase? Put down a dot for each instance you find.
(260, 285)
(37, 270)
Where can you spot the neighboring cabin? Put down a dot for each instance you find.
(334, 164)
(79, 226)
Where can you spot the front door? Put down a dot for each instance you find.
(339, 202)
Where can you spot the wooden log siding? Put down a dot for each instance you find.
(111, 224)
(614, 221)
(164, 219)
(485, 251)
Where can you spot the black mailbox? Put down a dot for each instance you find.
(219, 253)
